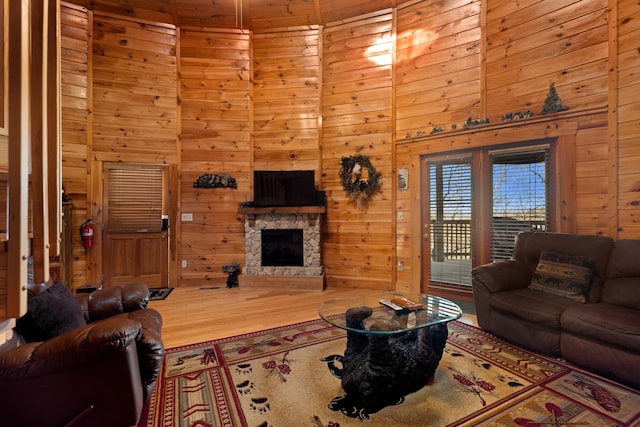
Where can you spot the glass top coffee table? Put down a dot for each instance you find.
(434, 310)
(395, 341)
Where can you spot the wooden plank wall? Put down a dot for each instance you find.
(628, 130)
(438, 74)
(536, 44)
(358, 246)
(76, 23)
(286, 95)
(135, 91)
(303, 98)
(215, 93)
(507, 67)
(134, 99)
(438, 84)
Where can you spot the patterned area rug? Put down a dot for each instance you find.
(283, 377)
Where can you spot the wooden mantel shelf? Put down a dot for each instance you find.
(283, 210)
(311, 211)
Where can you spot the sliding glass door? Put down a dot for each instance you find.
(478, 201)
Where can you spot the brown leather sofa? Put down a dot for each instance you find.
(100, 374)
(601, 334)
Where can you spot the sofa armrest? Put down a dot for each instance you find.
(108, 302)
(80, 346)
(150, 347)
(496, 277)
(88, 376)
(502, 276)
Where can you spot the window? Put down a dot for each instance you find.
(519, 198)
(134, 198)
(450, 220)
(473, 216)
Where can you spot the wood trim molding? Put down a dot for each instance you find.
(550, 125)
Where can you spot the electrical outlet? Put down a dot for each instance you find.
(187, 217)
(400, 265)
(184, 263)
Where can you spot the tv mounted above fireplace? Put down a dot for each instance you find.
(284, 188)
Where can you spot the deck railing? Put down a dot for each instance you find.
(451, 239)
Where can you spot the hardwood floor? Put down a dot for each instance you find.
(192, 315)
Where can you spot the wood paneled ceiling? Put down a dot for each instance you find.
(256, 15)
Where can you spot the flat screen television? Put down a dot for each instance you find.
(284, 188)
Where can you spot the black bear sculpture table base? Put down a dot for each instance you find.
(380, 369)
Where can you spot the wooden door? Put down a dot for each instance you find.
(135, 242)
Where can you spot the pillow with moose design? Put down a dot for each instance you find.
(568, 276)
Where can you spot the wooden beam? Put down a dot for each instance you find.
(53, 125)
(19, 129)
(37, 122)
(613, 208)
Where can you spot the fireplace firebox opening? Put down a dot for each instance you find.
(282, 247)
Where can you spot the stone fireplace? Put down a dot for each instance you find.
(282, 248)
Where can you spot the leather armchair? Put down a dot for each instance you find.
(97, 375)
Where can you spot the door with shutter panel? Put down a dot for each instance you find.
(135, 245)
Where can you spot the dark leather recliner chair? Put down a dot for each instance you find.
(97, 375)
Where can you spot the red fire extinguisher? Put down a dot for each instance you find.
(86, 232)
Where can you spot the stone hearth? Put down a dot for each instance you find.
(309, 276)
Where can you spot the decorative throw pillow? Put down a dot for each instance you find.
(565, 275)
(50, 313)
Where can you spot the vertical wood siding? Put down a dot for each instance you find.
(358, 246)
(215, 94)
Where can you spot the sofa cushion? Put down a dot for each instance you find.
(50, 313)
(535, 307)
(526, 334)
(624, 259)
(604, 323)
(624, 292)
(622, 286)
(564, 275)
